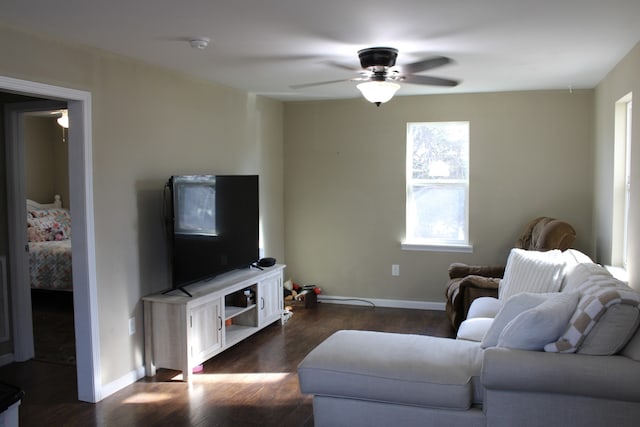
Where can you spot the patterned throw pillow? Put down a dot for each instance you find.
(598, 294)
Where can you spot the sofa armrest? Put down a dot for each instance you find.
(604, 377)
(459, 270)
(460, 293)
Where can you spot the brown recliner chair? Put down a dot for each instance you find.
(468, 282)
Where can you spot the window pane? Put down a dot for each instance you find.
(437, 182)
(439, 212)
(440, 150)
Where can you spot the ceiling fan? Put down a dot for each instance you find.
(380, 75)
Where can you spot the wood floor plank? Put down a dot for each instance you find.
(254, 383)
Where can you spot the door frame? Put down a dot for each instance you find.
(23, 342)
(85, 300)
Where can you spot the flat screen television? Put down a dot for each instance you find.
(213, 225)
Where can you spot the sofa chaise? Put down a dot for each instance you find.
(560, 346)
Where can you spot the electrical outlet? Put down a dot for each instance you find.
(395, 269)
(132, 326)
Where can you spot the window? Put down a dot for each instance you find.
(622, 181)
(437, 177)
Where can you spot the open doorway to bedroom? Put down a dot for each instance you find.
(83, 240)
(48, 229)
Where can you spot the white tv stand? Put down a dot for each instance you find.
(181, 332)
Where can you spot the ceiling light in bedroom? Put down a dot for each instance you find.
(64, 119)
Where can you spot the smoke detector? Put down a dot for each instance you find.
(199, 42)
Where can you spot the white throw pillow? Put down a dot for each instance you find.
(511, 308)
(531, 271)
(541, 325)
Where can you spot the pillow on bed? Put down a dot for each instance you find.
(35, 234)
(49, 228)
(41, 213)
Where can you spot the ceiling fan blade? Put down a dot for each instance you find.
(305, 85)
(342, 66)
(431, 81)
(424, 65)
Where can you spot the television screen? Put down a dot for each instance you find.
(196, 198)
(215, 225)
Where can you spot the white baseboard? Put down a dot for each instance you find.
(106, 389)
(375, 302)
(122, 382)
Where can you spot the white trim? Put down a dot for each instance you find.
(436, 248)
(437, 180)
(390, 303)
(122, 382)
(81, 189)
(23, 348)
(619, 273)
(22, 331)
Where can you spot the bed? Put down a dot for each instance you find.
(49, 236)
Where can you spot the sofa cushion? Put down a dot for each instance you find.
(632, 349)
(510, 309)
(598, 294)
(395, 368)
(540, 325)
(579, 274)
(474, 329)
(531, 271)
(484, 307)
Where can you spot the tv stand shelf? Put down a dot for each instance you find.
(231, 311)
(182, 332)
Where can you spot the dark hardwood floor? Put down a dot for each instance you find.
(251, 384)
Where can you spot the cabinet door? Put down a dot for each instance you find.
(205, 322)
(270, 299)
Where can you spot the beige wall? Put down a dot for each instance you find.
(46, 163)
(148, 124)
(531, 155)
(623, 79)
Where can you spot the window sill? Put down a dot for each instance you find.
(426, 247)
(619, 273)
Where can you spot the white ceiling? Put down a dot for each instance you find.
(263, 46)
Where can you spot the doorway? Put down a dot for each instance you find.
(83, 239)
(48, 229)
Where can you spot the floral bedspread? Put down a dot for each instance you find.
(50, 265)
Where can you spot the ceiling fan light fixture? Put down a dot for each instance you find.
(63, 120)
(378, 92)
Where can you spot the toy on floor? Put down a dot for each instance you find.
(295, 294)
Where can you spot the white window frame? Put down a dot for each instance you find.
(621, 182)
(438, 245)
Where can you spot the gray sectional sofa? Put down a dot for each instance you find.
(559, 347)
